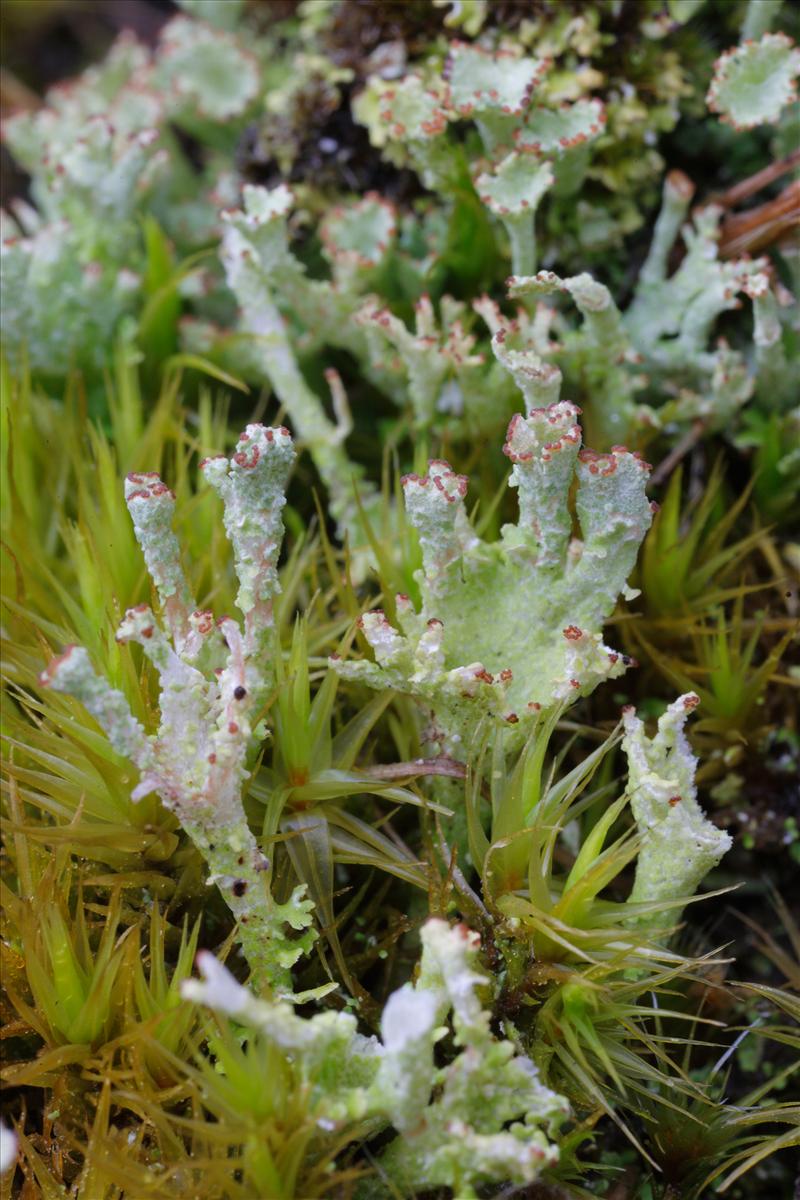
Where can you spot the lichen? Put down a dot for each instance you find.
(213, 676)
(507, 628)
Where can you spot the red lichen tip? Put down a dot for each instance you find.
(202, 620)
(247, 463)
(143, 478)
(679, 182)
(49, 673)
(211, 458)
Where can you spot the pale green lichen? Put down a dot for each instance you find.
(213, 677)
(482, 1118)
(255, 255)
(101, 154)
(495, 88)
(513, 626)
(223, 14)
(357, 237)
(558, 130)
(513, 192)
(666, 329)
(679, 844)
(754, 82)
(208, 72)
(444, 374)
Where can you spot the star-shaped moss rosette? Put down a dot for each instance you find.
(510, 627)
(214, 677)
(495, 89)
(513, 192)
(356, 238)
(679, 843)
(754, 82)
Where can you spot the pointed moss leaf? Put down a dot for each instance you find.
(754, 82)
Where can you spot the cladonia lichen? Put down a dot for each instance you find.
(510, 627)
(214, 676)
(483, 1118)
(679, 844)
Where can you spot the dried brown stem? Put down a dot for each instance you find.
(689, 440)
(420, 766)
(748, 187)
(754, 230)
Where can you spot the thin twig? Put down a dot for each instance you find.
(754, 183)
(687, 442)
(443, 765)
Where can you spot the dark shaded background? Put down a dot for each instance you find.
(45, 41)
(48, 40)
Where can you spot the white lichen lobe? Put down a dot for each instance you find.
(680, 845)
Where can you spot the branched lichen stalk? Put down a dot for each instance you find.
(679, 843)
(254, 252)
(213, 678)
